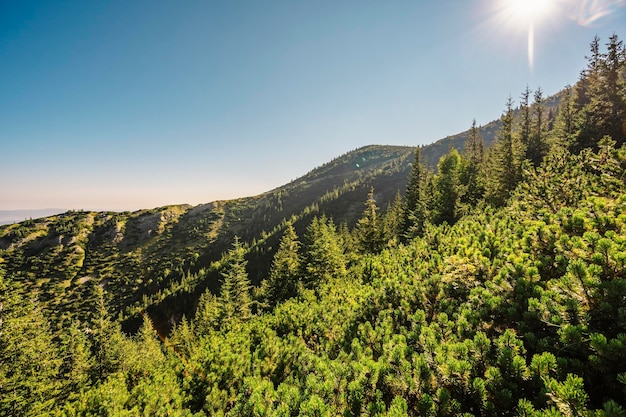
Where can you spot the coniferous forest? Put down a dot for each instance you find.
(494, 284)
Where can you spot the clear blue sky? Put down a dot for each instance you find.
(137, 104)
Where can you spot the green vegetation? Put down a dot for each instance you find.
(495, 286)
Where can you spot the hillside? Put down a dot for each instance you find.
(496, 286)
(162, 259)
(141, 258)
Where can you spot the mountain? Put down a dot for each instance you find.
(162, 259)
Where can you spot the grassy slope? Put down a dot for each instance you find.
(141, 257)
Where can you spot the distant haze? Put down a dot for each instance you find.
(16, 216)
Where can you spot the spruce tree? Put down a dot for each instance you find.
(324, 254)
(505, 162)
(415, 208)
(447, 188)
(525, 125)
(601, 101)
(285, 273)
(565, 125)
(151, 355)
(207, 314)
(537, 147)
(106, 339)
(30, 364)
(235, 301)
(392, 221)
(614, 123)
(78, 361)
(472, 166)
(368, 229)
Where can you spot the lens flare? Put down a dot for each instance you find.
(524, 14)
(525, 17)
(588, 12)
(530, 9)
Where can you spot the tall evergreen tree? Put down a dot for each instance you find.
(324, 254)
(235, 300)
(447, 188)
(107, 340)
(505, 161)
(392, 221)
(149, 347)
(30, 364)
(78, 361)
(600, 96)
(207, 315)
(285, 273)
(525, 125)
(537, 147)
(472, 166)
(348, 243)
(565, 125)
(615, 91)
(368, 229)
(586, 88)
(415, 207)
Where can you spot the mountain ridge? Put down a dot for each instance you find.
(145, 255)
(163, 258)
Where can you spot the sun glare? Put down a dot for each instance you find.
(525, 14)
(529, 10)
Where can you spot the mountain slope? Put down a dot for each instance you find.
(145, 258)
(162, 259)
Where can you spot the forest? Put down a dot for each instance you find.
(494, 285)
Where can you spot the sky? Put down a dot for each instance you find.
(122, 105)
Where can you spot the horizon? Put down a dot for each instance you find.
(124, 107)
(12, 213)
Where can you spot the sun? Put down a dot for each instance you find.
(529, 11)
(524, 14)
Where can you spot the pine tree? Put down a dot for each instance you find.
(565, 125)
(601, 102)
(30, 364)
(207, 314)
(78, 361)
(505, 162)
(447, 188)
(537, 147)
(285, 273)
(392, 221)
(525, 128)
(235, 301)
(368, 229)
(415, 208)
(324, 254)
(472, 166)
